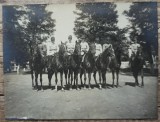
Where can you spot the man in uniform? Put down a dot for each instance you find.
(52, 47)
(98, 50)
(133, 49)
(70, 46)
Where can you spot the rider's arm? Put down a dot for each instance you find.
(87, 47)
(100, 48)
(57, 48)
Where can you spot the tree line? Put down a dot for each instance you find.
(27, 26)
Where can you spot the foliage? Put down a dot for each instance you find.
(96, 22)
(24, 28)
(143, 18)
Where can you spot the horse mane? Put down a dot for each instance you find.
(92, 48)
(76, 48)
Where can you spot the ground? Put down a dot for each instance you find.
(126, 101)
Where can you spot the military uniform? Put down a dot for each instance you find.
(98, 49)
(70, 48)
(52, 49)
(134, 48)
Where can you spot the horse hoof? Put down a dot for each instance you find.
(84, 87)
(89, 88)
(62, 89)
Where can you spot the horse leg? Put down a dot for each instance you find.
(103, 78)
(89, 80)
(61, 75)
(81, 73)
(36, 80)
(142, 75)
(69, 74)
(76, 78)
(56, 80)
(100, 84)
(65, 72)
(113, 77)
(94, 75)
(41, 79)
(49, 78)
(117, 73)
(32, 76)
(85, 78)
(136, 78)
(71, 79)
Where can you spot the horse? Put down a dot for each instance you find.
(102, 63)
(37, 65)
(56, 64)
(88, 65)
(74, 62)
(115, 65)
(137, 61)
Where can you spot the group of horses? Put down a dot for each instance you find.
(72, 65)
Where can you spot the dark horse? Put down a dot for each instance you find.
(57, 64)
(104, 61)
(115, 65)
(137, 61)
(37, 65)
(88, 65)
(74, 61)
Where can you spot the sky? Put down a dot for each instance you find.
(64, 16)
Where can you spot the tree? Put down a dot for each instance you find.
(143, 18)
(96, 22)
(24, 28)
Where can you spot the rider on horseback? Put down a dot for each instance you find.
(98, 50)
(70, 46)
(133, 50)
(52, 47)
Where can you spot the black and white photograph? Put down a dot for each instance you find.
(95, 60)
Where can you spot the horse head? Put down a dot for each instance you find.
(77, 50)
(108, 52)
(92, 48)
(62, 48)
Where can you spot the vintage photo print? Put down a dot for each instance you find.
(80, 60)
